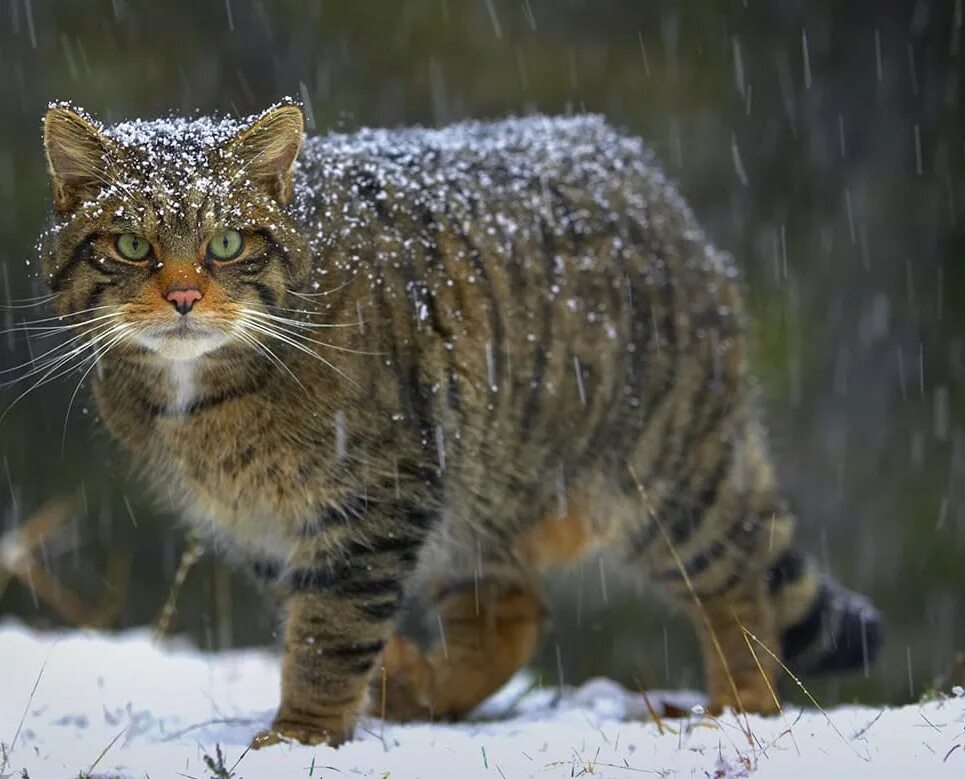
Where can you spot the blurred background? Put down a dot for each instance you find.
(819, 142)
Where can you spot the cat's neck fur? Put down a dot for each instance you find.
(171, 387)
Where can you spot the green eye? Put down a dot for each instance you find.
(226, 245)
(132, 247)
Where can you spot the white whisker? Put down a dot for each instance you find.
(61, 366)
(52, 352)
(252, 341)
(22, 303)
(47, 331)
(60, 317)
(297, 323)
(331, 291)
(95, 358)
(304, 337)
(309, 312)
(274, 333)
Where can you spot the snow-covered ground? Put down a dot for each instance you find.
(120, 706)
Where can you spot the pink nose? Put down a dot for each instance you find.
(183, 300)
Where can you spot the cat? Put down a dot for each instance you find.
(424, 366)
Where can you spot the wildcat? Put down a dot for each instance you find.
(427, 365)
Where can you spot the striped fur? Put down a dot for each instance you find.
(483, 337)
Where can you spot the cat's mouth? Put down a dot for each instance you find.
(182, 340)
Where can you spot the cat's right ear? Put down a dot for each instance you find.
(76, 157)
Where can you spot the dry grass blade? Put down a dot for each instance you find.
(26, 708)
(652, 710)
(804, 689)
(770, 687)
(106, 749)
(654, 714)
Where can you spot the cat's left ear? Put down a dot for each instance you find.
(268, 148)
(77, 156)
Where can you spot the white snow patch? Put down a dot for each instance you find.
(158, 710)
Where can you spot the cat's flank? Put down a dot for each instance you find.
(423, 366)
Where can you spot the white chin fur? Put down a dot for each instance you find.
(174, 347)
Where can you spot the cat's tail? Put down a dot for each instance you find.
(824, 627)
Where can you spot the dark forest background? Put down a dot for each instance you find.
(819, 142)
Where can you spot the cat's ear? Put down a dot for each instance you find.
(268, 148)
(77, 154)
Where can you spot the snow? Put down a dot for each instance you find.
(131, 708)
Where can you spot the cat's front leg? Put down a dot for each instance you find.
(338, 617)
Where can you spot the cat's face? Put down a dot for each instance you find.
(173, 235)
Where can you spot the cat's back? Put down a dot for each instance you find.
(544, 286)
(498, 155)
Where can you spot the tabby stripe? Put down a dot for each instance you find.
(497, 331)
(519, 305)
(691, 513)
(681, 530)
(94, 295)
(252, 266)
(354, 650)
(412, 395)
(661, 463)
(340, 583)
(415, 394)
(364, 587)
(729, 585)
(349, 510)
(597, 409)
(204, 404)
(695, 565)
(742, 536)
(80, 254)
(278, 250)
(266, 570)
(647, 335)
(265, 293)
(807, 631)
(422, 518)
(789, 568)
(618, 433)
(707, 497)
(430, 230)
(531, 406)
(453, 393)
(695, 511)
(312, 579)
(673, 459)
(666, 328)
(357, 666)
(381, 611)
(382, 545)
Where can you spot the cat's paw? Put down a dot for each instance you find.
(402, 693)
(287, 732)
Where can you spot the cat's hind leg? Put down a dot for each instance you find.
(486, 629)
(485, 634)
(708, 536)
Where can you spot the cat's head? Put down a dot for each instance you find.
(173, 235)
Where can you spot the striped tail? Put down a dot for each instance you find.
(824, 627)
